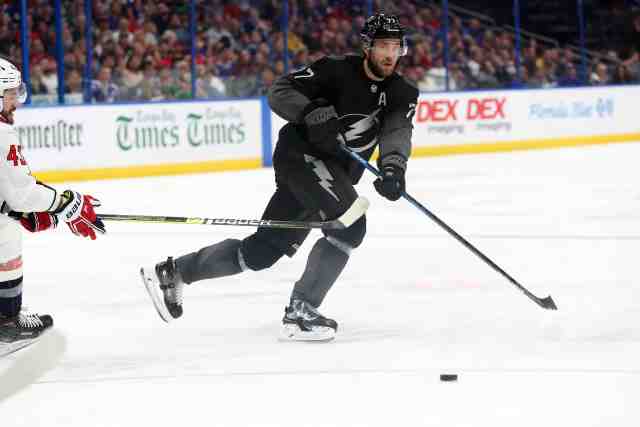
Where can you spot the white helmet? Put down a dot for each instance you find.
(10, 78)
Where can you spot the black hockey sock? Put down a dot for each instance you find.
(325, 263)
(214, 261)
(10, 298)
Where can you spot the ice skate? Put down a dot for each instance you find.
(22, 330)
(165, 287)
(303, 322)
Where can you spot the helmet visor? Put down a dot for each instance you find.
(18, 93)
(22, 93)
(392, 47)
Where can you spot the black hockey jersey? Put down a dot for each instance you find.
(375, 113)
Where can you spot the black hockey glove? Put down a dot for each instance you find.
(392, 183)
(324, 130)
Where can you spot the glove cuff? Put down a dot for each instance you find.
(393, 160)
(70, 205)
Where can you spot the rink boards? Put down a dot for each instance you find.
(130, 140)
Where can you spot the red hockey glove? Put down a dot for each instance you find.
(77, 211)
(35, 221)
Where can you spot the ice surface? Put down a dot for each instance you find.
(412, 303)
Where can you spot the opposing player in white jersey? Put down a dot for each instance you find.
(34, 205)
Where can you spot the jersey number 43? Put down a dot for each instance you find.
(15, 155)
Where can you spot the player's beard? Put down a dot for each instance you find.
(7, 115)
(377, 70)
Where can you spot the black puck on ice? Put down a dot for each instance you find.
(448, 377)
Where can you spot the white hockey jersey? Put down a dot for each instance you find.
(19, 190)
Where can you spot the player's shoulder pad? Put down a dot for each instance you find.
(6, 127)
(403, 90)
(407, 85)
(331, 61)
(336, 57)
(333, 65)
(410, 83)
(7, 131)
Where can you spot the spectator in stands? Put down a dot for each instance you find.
(37, 85)
(633, 63)
(475, 30)
(431, 19)
(600, 75)
(278, 67)
(150, 33)
(255, 38)
(184, 87)
(161, 17)
(421, 53)
(622, 75)
(217, 29)
(162, 55)
(150, 84)
(73, 87)
(435, 78)
(37, 53)
(132, 77)
(50, 75)
(530, 55)
(523, 80)
(215, 86)
(458, 78)
(67, 38)
(500, 69)
(300, 60)
(566, 59)
(539, 79)
(508, 63)
(241, 84)
(122, 32)
(486, 77)
(267, 77)
(226, 62)
(168, 85)
(103, 89)
(570, 79)
(475, 61)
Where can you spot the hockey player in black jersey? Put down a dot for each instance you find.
(357, 100)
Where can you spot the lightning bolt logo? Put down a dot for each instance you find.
(325, 177)
(358, 128)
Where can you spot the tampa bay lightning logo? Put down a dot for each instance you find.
(361, 130)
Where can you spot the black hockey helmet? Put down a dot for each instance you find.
(383, 26)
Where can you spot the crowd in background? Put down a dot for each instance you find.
(142, 49)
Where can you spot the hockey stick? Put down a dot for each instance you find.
(355, 211)
(546, 303)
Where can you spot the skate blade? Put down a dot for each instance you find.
(7, 349)
(153, 289)
(292, 332)
(10, 348)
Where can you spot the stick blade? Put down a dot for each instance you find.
(548, 303)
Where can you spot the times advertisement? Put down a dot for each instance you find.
(139, 134)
